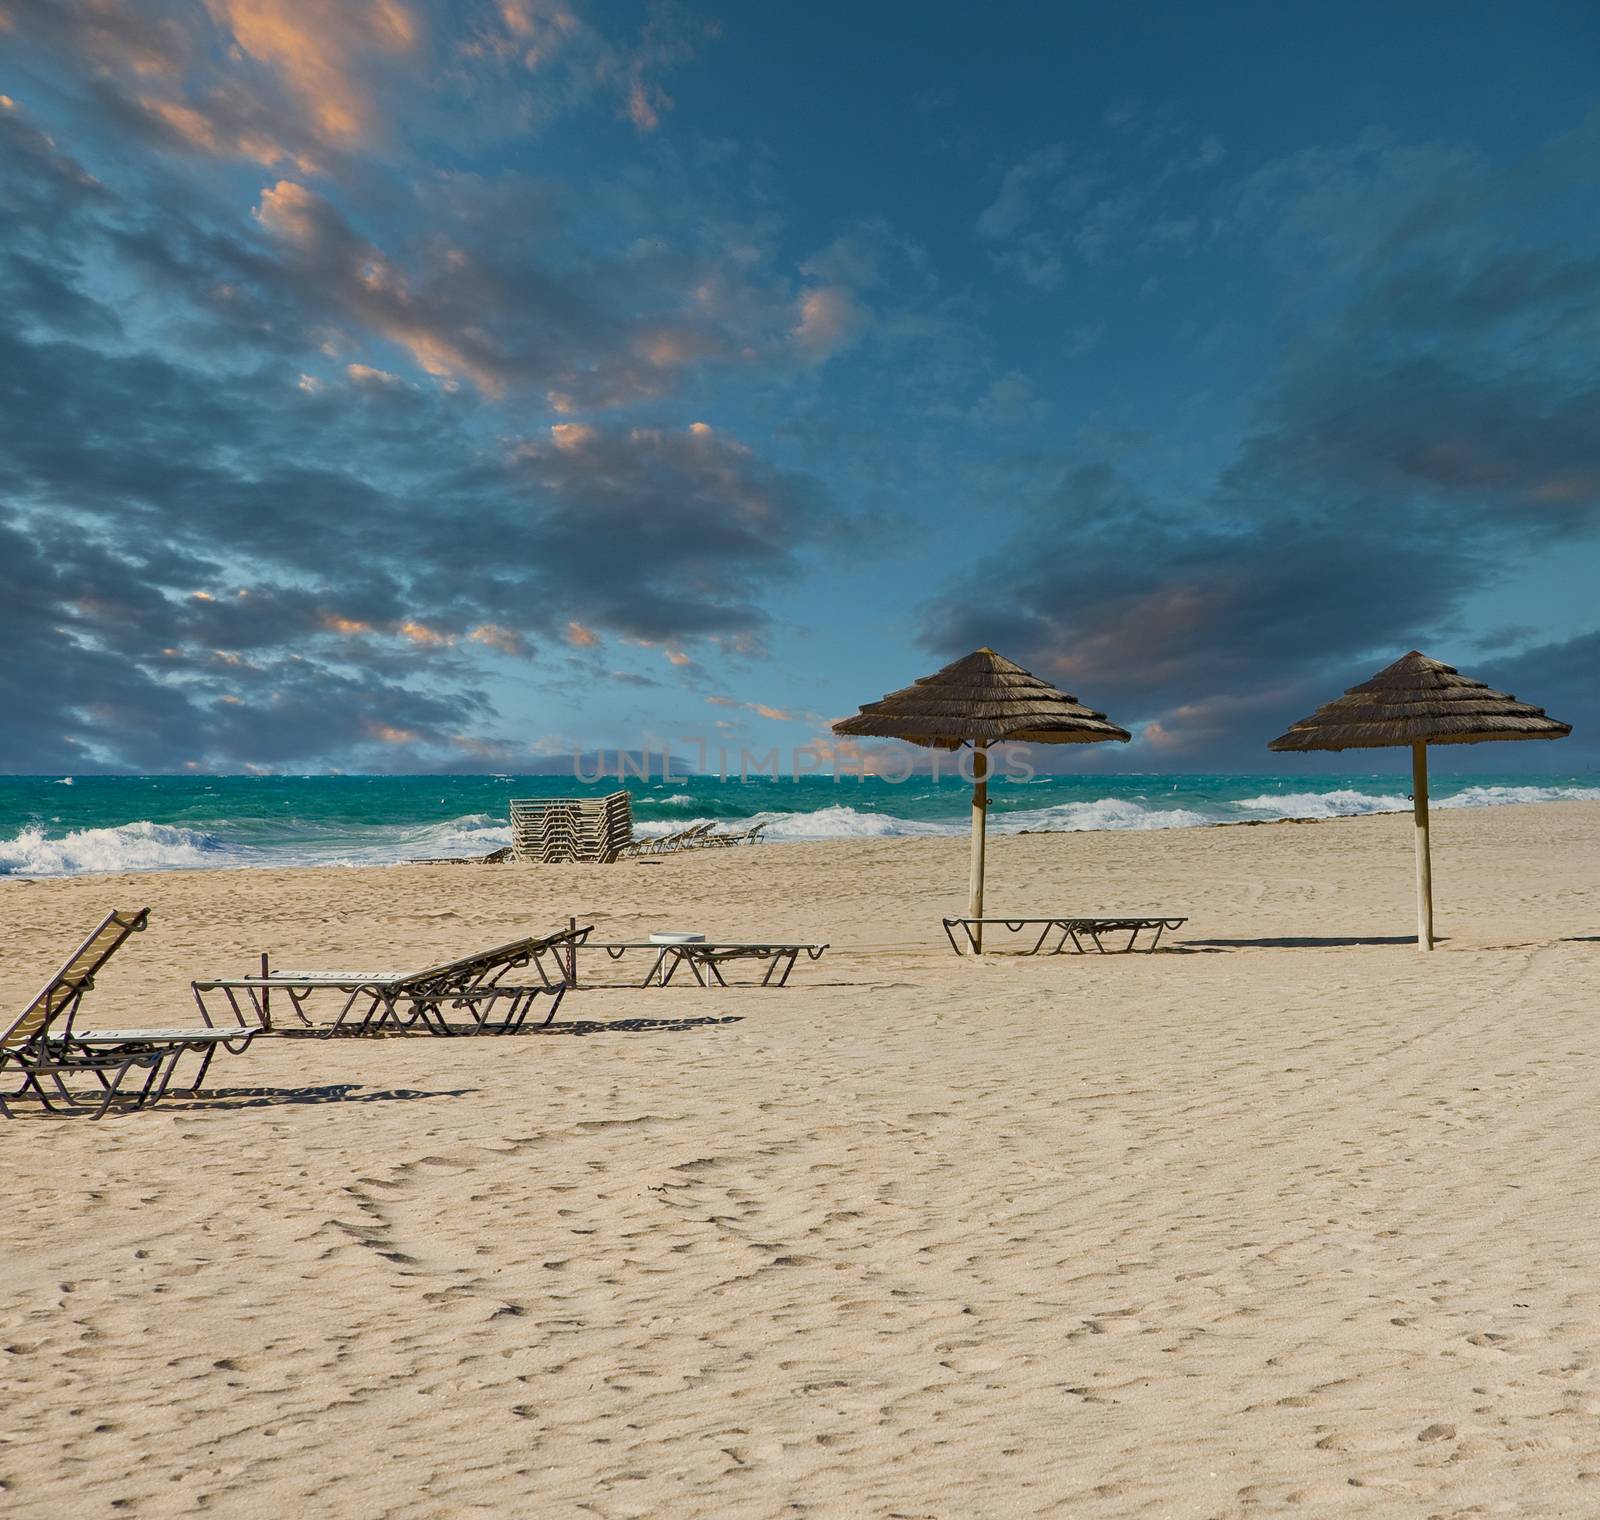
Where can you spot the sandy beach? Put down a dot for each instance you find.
(1285, 1219)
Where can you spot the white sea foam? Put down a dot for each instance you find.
(470, 834)
(264, 841)
(1344, 803)
(1496, 796)
(1335, 804)
(842, 822)
(1101, 813)
(654, 828)
(139, 846)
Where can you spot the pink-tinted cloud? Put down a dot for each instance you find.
(504, 640)
(642, 105)
(321, 51)
(208, 132)
(580, 637)
(540, 28)
(359, 278)
(421, 633)
(829, 320)
(389, 733)
(365, 374)
(120, 36)
(761, 709)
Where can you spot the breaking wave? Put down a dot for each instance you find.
(139, 846)
(1495, 796)
(1336, 804)
(841, 822)
(302, 833)
(1101, 813)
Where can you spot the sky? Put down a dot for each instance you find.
(395, 386)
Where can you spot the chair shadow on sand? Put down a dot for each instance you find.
(1302, 942)
(214, 1099)
(527, 1032)
(583, 1028)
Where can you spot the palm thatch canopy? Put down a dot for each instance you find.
(981, 698)
(1419, 701)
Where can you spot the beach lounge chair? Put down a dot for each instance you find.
(670, 844)
(377, 1000)
(704, 958)
(1066, 926)
(45, 1046)
(591, 829)
(751, 835)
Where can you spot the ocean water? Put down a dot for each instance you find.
(56, 826)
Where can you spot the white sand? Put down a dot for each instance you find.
(1291, 1220)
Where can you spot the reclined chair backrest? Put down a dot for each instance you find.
(472, 969)
(57, 1001)
(489, 965)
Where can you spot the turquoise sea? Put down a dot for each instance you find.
(59, 826)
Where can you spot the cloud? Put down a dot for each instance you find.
(642, 104)
(1017, 201)
(1429, 435)
(1009, 401)
(503, 640)
(115, 36)
(760, 709)
(1147, 191)
(1559, 676)
(324, 84)
(503, 290)
(828, 320)
(383, 536)
(319, 50)
(267, 570)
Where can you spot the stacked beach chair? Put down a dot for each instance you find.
(592, 829)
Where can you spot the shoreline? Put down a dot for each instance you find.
(995, 834)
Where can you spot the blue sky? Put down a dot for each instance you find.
(405, 386)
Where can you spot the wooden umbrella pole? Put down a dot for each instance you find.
(980, 810)
(1419, 810)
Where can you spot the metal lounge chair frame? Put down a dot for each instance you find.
(704, 959)
(752, 835)
(45, 1045)
(1077, 928)
(379, 1000)
(591, 829)
(670, 844)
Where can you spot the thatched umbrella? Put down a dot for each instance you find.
(1418, 701)
(981, 699)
